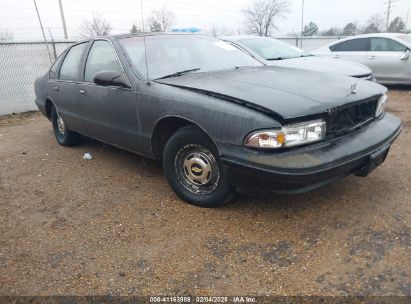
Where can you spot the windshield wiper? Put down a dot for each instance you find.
(307, 55)
(180, 73)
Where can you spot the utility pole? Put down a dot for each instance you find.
(42, 30)
(389, 8)
(63, 20)
(406, 19)
(302, 25)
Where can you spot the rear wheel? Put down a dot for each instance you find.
(193, 170)
(63, 135)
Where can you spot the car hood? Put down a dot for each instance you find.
(319, 64)
(285, 92)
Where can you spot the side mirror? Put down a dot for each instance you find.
(111, 78)
(405, 55)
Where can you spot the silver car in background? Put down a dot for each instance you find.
(387, 55)
(274, 52)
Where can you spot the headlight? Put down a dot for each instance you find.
(288, 136)
(381, 105)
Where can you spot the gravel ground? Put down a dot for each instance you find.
(113, 226)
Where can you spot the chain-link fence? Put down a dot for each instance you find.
(22, 62)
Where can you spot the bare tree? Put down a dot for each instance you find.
(375, 24)
(261, 14)
(97, 26)
(5, 35)
(397, 26)
(163, 17)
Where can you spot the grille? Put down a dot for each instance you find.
(347, 119)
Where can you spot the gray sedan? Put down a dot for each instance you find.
(387, 55)
(215, 117)
(274, 52)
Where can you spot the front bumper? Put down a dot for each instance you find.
(313, 166)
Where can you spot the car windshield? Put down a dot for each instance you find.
(175, 55)
(272, 49)
(406, 38)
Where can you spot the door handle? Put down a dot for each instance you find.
(82, 92)
(56, 89)
(372, 57)
(336, 56)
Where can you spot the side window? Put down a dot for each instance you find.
(354, 45)
(70, 69)
(53, 70)
(102, 57)
(386, 45)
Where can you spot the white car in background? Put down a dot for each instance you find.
(387, 55)
(274, 52)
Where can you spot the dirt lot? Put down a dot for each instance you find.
(113, 226)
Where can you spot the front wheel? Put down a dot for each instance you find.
(193, 170)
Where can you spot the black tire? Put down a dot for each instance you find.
(190, 147)
(63, 135)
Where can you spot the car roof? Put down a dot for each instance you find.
(139, 34)
(241, 37)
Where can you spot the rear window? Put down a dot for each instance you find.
(53, 70)
(354, 45)
(70, 69)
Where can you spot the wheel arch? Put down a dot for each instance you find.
(49, 103)
(165, 127)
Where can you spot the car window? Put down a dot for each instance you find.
(102, 57)
(70, 69)
(53, 70)
(354, 45)
(386, 45)
(167, 54)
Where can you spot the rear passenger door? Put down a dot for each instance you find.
(64, 89)
(352, 50)
(110, 111)
(384, 58)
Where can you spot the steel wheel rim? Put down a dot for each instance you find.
(60, 124)
(197, 169)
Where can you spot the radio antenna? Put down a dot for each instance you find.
(144, 39)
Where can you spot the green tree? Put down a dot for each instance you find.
(397, 26)
(350, 29)
(311, 29)
(133, 29)
(155, 26)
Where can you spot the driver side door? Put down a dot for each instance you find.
(110, 110)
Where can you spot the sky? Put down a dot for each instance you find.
(19, 16)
